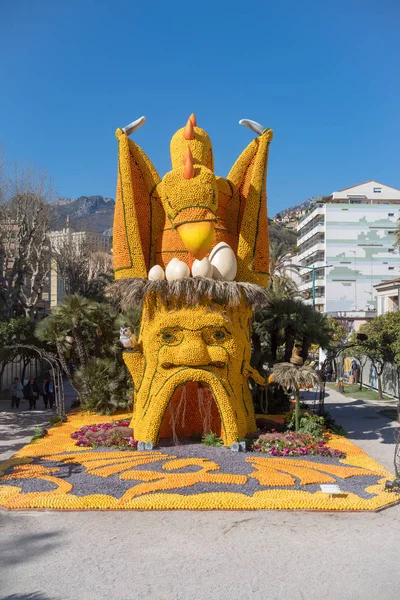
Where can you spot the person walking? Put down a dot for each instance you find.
(354, 370)
(31, 393)
(44, 393)
(17, 392)
(50, 391)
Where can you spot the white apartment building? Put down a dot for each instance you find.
(97, 242)
(347, 243)
(388, 296)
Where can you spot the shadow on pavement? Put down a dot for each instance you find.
(363, 421)
(27, 547)
(30, 596)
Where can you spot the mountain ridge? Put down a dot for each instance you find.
(96, 213)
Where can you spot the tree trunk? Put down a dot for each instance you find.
(304, 350)
(26, 363)
(297, 410)
(289, 343)
(80, 348)
(274, 344)
(65, 367)
(380, 396)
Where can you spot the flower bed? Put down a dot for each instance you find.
(106, 434)
(53, 473)
(294, 444)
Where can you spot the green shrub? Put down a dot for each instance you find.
(104, 386)
(211, 439)
(311, 424)
(55, 420)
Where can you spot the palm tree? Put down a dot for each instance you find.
(105, 386)
(294, 377)
(73, 315)
(48, 330)
(277, 253)
(80, 329)
(286, 320)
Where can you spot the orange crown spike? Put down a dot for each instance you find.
(188, 170)
(192, 118)
(188, 132)
(185, 155)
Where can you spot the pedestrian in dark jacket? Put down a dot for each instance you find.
(31, 393)
(16, 390)
(50, 390)
(44, 393)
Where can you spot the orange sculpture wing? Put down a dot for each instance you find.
(248, 210)
(135, 227)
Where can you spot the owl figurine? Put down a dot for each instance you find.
(127, 338)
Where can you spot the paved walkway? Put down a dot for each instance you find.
(17, 425)
(370, 425)
(203, 555)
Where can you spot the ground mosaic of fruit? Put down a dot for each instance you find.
(54, 473)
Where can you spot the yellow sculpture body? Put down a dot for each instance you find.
(191, 363)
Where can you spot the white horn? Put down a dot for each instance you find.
(133, 126)
(253, 125)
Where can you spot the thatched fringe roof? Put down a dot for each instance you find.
(191, 291)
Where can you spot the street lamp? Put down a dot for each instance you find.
(312, 269)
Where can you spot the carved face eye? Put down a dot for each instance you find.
(171, 336)
(218, 335)
(215, 335)
(167, 337)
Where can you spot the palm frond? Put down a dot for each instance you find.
(292, 377)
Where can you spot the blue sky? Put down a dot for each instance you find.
(323, 75)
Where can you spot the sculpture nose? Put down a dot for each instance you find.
(194, 354)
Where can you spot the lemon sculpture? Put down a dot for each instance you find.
(192, 248)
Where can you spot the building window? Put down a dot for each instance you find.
(390, 214)
(391, 268)
(377, 190)
(391, 250)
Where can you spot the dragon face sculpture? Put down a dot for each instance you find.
(194, 341)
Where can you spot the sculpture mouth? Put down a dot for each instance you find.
(217, 363)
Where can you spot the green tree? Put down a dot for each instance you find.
(85, 336)
(15, 334)
(380, 343)
(104, 386)
(285, 321)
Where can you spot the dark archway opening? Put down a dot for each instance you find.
(191, 413)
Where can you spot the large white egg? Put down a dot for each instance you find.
(176, 269)
(202, 268)
(224, 262)
(156, 273)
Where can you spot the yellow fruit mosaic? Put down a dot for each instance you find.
(154, 489)
(208, 345)
(149, 210)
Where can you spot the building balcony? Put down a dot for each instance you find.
(318, 210)
(307, 285)
(318, 246)
(308, 232)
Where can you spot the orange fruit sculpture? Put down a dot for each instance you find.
(191, 362)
